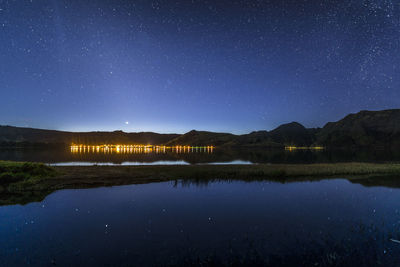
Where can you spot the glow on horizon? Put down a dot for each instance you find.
(156, 128)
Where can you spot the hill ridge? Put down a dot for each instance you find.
(364, 128)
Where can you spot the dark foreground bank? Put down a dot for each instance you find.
(23, 182)
(37, 176)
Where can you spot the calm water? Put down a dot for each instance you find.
(166, 223)
(64, 156)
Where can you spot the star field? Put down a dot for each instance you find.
(173, 66)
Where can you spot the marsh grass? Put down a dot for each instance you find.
(23, 172)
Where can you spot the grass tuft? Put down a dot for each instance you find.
(14, 172)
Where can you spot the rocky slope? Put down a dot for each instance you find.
(365, 128)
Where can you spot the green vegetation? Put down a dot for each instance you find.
(23, 174)
(11, 172)
(17, 177)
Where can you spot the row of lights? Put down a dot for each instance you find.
(138, 148)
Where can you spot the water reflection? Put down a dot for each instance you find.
(13, 197)
(336, 221)
(195, 155)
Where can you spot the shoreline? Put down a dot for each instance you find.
(65, 176)
(28, 182)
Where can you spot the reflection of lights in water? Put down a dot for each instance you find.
(293, 148)
(139, 149)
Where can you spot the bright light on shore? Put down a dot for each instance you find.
(138, 149)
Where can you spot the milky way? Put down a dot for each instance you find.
(171, 66)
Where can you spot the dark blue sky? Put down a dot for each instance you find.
(173, 66)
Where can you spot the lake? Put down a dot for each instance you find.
(179, 223)
(66, 156)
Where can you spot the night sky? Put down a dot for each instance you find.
(173, 66)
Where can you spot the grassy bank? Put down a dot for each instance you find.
(16, 172)
(36, 176)
(38, 180)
